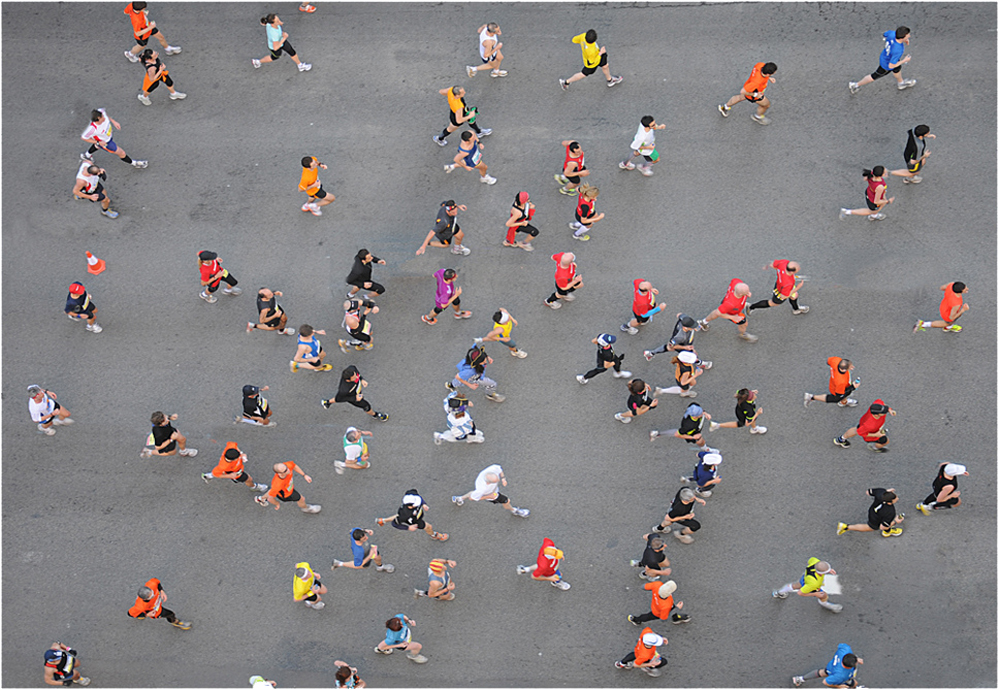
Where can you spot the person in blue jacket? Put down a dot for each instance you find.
(839, 672)
(890, 60)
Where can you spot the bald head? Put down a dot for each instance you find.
(280, 468)
(741, 289)
(793, 267)
(567, 259)
(823, 567)
(645, 286)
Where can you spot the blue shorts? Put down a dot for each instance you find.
(109, 146)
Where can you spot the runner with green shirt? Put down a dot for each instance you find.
(593, 57)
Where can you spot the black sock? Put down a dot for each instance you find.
(444, 133)
(475, 128)
(794, 303)
(127, 159)
(760, 304)
(92, 149)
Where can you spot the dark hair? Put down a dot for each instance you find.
(268, 19)
(769, 68)
(876, 172)
(590, 36)
(850, 660)
(95, 115)
(357, 533)
(846, 363)
(148, 53)
(349, 372)
(637, 386)
(497, 316)
(957, 287)
(743, 395)
(394, 624)
(307, 161)
(343, 674)
(467, 136)
(647, 120)
(138, 5)
(232, 454)
(305, 330)
(889, 496)
(362, 253)
(902, 32)
(921, 130)
(573, 146)
(449, 274)
(158, 418)
(448, 202)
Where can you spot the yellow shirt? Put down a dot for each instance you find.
(591, 53)
(504, 328)
(302, 588)
(309, 177)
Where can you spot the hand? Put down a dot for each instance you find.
(603, 50)
(906, 59)
(462, 207)
(421, 250)
(308, 479)
(473, 385)
(173, 416)
(265, 388)
(772, 80)
(458, 291)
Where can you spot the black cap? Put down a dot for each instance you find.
(688, 322)
(207, 256)
(250, 390)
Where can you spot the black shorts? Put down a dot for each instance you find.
(457, 302)
(575, 179)
(452, 118)
(99, 192)
(587, 71)
(144, 41)
(501, 499)
(741, 418)
(690, 440)
(286, 47)
(881, 72)
(871, 205)
(915, 167)
(243, 477)
(320, 193)
(741, 321)
(760, 97)
(169, 447)
(447, 234)
(684, 387)
(881, 440)
(776, 297)
(641, 320)
(399, 526)
(274, 322)
(312, 597)
(294, 496)
(691, 523)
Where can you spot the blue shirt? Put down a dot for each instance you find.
(465, 371)
(396, 637)
(893, 50)
(702, 474)
(836, 672)
(358, 550)
(273, 35)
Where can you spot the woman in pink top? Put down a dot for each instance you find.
(874, 196)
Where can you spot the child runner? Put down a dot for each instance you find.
(606, 357)
(593, 57)
(503, 324)
(874, 196)
(154, 73)
(521, 214)
(143, 29)
(546, 566)
(746, 412)
(950, 310)
(586, 213)
(753, 91)
(890, 60)
(277, 43)
(914, 156)
(447, 294)
(573, 168)
(644, 144)
(470, 157)
(311, 185)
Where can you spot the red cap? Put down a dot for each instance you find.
(522, 197)
(77, 289)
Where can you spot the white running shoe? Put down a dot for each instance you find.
(178, 96)
(305, 67)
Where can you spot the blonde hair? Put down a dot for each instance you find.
(589, 191)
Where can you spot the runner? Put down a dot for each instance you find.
(952, 307)
(357, 325)
(840, 384)
(230, 467)
(870, 428)
(447, 294)
(643, 302)
(45, 411)
(439, 583)
(503, 324)
(645, 656)
(586, 213)
(399, 636)
(681, 512)
(881, 515)
(488, 488)
(256, 410)
(356, 454)
(459, 114)
(546, 566)
(155, 72)
(662, 605)
(410, 516)
(361, 275)
(143, 29)
(644, 144)
(472, 373)
(890, 60)
(944, 494)
(270, 315)
(164, 439)
(914, 156)
(347, 677)
(309, 354)
(874, 196)
(277, 43)
(753, 91)
(640, 401)
(259, 683)
(654, 562)
(691, 428)
(62, 667)
(212, 275)
(593, 57)
(489, 51)
(283, 488)
(731, 308)
(686, 373)
(785, 287)
(149, 605)
(88, 186)
(811, 585)
(98, 135)
(706, 473)
(682, 339)
(573, 168)
(364, 553)
(470, 157)
(306, 586)
(310, 184)
(746, 412)
(80, 307)
(460, 424)
(521, 214)
(839, 672)
(445, 228)
(351, 391)
(567, 280)
(606, 357)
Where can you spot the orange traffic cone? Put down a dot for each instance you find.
(94, 265)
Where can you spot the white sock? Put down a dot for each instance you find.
(786, 589)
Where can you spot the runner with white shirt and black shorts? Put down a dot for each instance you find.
(98, 135)
(88, 186)
(489, 51)
(45, 411)
(487, 487)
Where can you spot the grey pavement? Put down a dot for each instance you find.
(86, 522)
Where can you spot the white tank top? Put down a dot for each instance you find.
(90, 181)
(482, 49)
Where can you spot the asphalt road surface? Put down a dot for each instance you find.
(86, 522)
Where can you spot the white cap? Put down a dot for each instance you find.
(412, 500)
(652, 639)
(687, 357)
(712, 459)
(954, 469)
(667, 589)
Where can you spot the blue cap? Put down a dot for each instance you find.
(606, 339)
(693, 410)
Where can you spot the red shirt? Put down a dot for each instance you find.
(563, 276)
(577, 159)
(873, 185)
(584, 207)
(642, 303)
(785, 281)
(209, 270)
(546, 565)
(869, 425)
(731, 304)
(950, 300)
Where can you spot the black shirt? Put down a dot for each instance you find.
(348, 389)
(745, 411)
(162, 432)
(361, 272)
(940, 482)
(254, 406)
(679, 508)
(651, 557)
(638, 400)
(445, 226)
(272, 307)
(409, 516)
(606, 355)
(880, 514)
(690, 426)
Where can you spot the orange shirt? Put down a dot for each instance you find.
(456, 103)
(757, 81)
(225, 465)
(152, 608)
(139, 23)
(310, 176)
(642, 653)
(661, 607)
(950, 300)
(838, 380)
(282, 487)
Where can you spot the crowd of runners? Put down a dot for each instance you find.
(364, 301)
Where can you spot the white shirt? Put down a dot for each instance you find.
(91, 181)
(644, 141)
(484, 488)
(460, 425)
(353, 450)
(100, 130)
(40, 410)
(485, 36)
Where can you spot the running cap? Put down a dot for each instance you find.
(694, 410)
(553, 552)
(878, 409)
(53, 655)
(256, 679)
(207, 256)
(501, 316)
(667, 589)
(954, 469)
(604, 340)
(687, 357)
(688, 321)
(652, 639)
(437, 566)
(77, 289)
(34, 390)
(712, 459)
(450, 204)
(412, 498)
(250, 390)
(522, 197)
